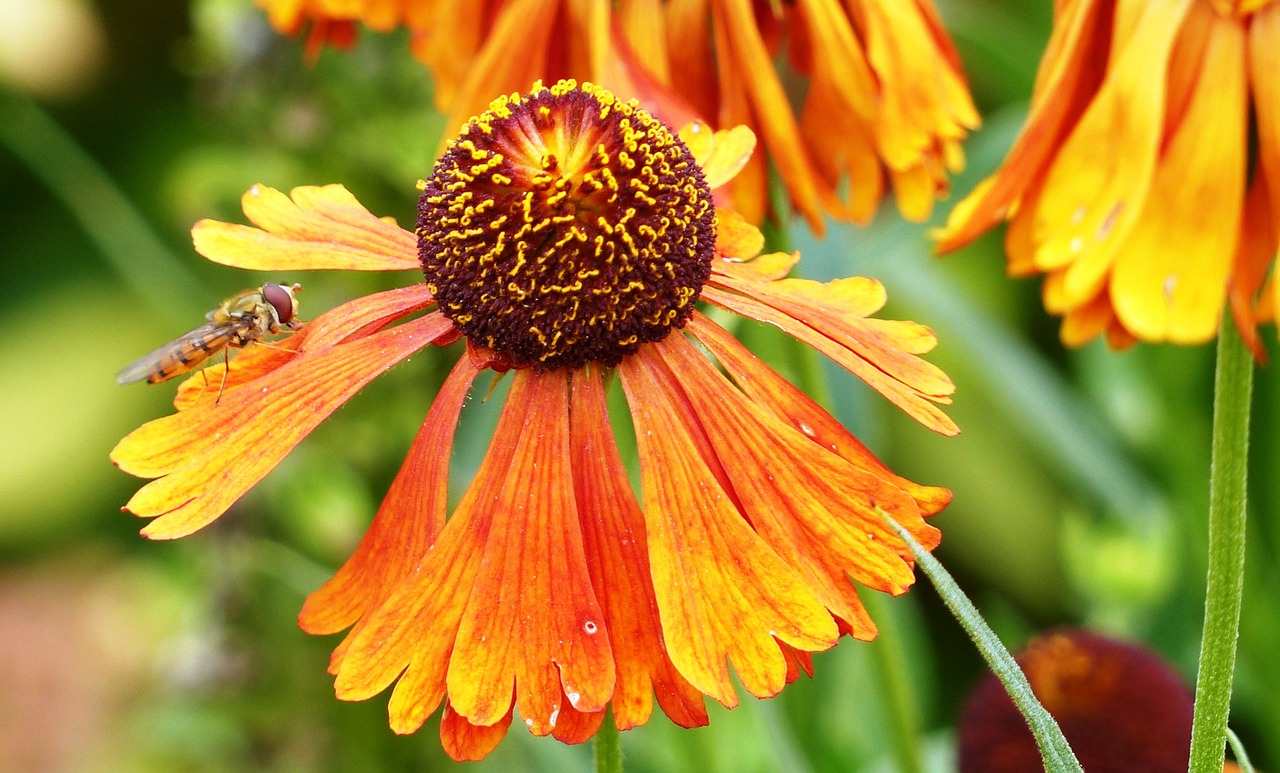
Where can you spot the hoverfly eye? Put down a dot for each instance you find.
(281, 299)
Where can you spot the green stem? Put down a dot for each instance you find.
(608, 747)
(895, 690)
(1224, 588)
(1054, 748)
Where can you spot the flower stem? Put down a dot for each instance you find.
(608, 747)
(1233, 391)
(1054, 749)
(895, 693)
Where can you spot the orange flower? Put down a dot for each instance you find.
(567, 237)
(884, 99)
(1132, 187)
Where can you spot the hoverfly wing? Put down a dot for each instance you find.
(179, 355)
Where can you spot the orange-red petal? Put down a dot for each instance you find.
(613, 534)
(351, 320)
(411, 516)
(533, 619)
(210, 457)
(770, 390)
(502, 602)
(314, 227)
(832, 319)
(723, 594)
(817, 511)
(466, 742)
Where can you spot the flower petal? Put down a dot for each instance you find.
(721, 154)
(1168, 281)
(210, 458)
(770, 390)
(533, 617)
(723, 594)
(747, 60)
(817, 511)
(354, 319)
(613, 533)
(830, 318)
(320, 227)
(411, 636)
(465, 742)
(411, 516)
(1101, 176)
(503, 599)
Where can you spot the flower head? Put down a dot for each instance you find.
(1120, 707)
(1133, 188)
(885, 97)
(566, 236)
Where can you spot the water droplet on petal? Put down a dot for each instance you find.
(590, 627)
(554, 716)
(807, 430)
(573, 698)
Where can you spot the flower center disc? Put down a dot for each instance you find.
(564, 227)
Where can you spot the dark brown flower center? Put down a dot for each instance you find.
(564, 227)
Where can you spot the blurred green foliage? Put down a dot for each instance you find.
(1080, 479)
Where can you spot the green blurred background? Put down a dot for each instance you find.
(1080, 479)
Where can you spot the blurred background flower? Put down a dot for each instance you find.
(1120, 706)
(848, 98)
(1146, 184)
(1079, 478)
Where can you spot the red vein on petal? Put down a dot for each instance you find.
(613, 533)
(411, 636)
(722, 593)
(816, 510)
(411, 516)
(863, 350)
(532, 610)
(210, 458)
(770, 390)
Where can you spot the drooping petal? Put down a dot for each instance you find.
(832, 318)
(515, 611)
(315, 227)
(770, 390)
(1164, 292)
(533, 617)
(613, 534)
(723, 594)
(817, 511)
(1100, 178)
(210, 458)
(748, 61)
(411, 516)
(466, 742)
(573, 726)
(411, 636)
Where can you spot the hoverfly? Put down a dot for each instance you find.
(247, 316)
